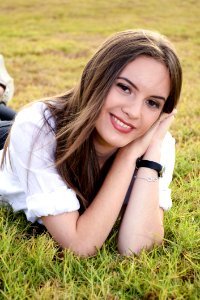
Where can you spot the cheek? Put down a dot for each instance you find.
(112, 100)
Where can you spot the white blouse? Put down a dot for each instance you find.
(34, 186)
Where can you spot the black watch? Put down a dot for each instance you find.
(151, 165)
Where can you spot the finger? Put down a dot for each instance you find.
(165, 115)
(166, 123)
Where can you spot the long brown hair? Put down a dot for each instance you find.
(75, 112)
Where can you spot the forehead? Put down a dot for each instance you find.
(143, 63)
(147, 72)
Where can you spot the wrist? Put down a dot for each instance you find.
(153, 152)
(126, 155)
(149, 164)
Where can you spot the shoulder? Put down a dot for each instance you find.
(168, 157)
(168, 140)
(168, 147)
(30, 125)
(31, 119)
(33, 113)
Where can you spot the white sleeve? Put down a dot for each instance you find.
(168, 161)
(32, 160)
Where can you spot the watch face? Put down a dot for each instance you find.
(162, 171)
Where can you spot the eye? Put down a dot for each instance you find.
(153, 104)
(124, 87)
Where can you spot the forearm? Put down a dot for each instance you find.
(85, 233)
(142, 224)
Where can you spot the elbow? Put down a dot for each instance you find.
(82, 252)
(126, 249)
(137, 244)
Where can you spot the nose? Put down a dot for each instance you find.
(133, 109)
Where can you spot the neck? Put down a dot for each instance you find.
(102, 158)
(103, 150)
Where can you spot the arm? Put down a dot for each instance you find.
(142, 224)
(86, 233)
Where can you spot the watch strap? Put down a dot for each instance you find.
(151, 165)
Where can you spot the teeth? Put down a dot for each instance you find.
(121, 123)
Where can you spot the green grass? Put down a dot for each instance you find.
(46, 44)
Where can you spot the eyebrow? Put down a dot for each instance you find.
(137, 89)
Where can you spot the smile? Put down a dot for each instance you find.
(120, 122)
(120, 125)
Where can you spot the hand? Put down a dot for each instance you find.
(153, 137)
(162, 126)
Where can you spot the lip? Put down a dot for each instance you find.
(119, 127)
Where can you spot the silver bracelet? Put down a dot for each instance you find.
(149, 179)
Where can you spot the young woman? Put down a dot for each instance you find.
(72, 162)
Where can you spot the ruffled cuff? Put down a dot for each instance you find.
(54, 203)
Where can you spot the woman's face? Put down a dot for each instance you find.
(133, 103)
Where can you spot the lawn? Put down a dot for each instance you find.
(46, 44)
